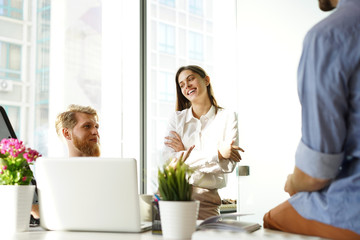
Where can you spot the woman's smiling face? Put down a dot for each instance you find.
(192, 86)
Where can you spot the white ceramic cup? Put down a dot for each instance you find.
(145, 207)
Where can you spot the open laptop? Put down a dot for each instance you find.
(89, 194)
(6, 130)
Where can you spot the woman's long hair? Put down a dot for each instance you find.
(181, 101)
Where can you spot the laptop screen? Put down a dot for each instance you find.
(6, 130)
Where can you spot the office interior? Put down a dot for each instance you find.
(121, 57)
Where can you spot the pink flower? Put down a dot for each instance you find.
(31, 155)
(16, 158)
(12, 146)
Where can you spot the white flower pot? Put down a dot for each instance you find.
(15, 202)
(178, 218)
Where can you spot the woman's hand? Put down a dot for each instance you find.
(183, 157)
(175, 142)
(229, 151)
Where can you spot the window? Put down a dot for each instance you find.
(11, 8)
(196, 7)
(166, 38)
(166, 87)
(196, 45)
(42, 79)
(170, 3)
(10, 61)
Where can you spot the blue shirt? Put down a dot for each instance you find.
(329, 92)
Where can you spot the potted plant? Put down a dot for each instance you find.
(16, 193)
(178, 212)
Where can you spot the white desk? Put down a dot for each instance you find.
(40, 234)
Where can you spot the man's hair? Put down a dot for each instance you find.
(68, 119)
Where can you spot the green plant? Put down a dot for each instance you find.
(174, 182)
(15, 161)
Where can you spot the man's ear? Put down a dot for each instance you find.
(66, 133)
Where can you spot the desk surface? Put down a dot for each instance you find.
(40, 234)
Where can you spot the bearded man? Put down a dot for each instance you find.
(79, 126)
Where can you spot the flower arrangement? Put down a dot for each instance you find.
(15, 161)
(174, 182)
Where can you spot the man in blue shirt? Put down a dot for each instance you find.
(325, 184)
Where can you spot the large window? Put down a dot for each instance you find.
(94, 60)
(188, 34)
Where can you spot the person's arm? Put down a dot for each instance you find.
(229, 151)
(323, 95)
(299, 181)
(170, 149)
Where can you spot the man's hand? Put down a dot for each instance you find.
(301, 182)
(229, 151)
(289, 185)
(175, 142)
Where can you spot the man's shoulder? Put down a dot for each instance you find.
(340, 26)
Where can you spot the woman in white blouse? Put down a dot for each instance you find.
(206, 130)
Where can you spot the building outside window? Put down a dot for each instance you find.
(10, 61)
(196, 46)
(196, 7)
(166, 38)
(170, 3)
(11, 8)
(166, 88)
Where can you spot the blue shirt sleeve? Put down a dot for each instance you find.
(317, 164)
(323, 92)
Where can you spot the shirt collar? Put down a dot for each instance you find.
(208, 115)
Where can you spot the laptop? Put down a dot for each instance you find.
(6, 130)
(89, 194)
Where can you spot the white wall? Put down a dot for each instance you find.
(270, 35)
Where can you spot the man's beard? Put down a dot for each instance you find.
(325, 5)
(90, 150)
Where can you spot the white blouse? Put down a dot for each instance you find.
(206, 133)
